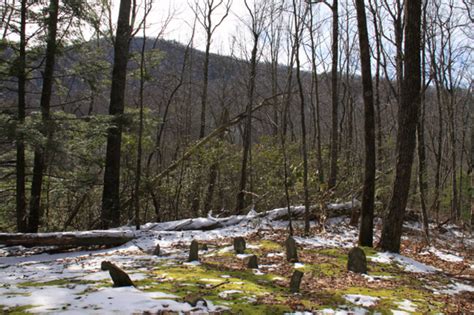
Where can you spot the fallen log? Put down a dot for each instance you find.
(73, 239)
(211, 223)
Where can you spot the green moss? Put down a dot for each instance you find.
(333, 252)
(16, 310)
(369, 251)
(270, 246)
(205, 281)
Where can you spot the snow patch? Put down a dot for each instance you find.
(456, 288)
(362, 300)
(406, 263)
(406, 305)
(445, 256)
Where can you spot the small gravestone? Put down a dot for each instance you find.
(252, 262)
(194, 299)
(296, 281)
(291, 253)
(239, 245)
(357, 262)
(156, 251)
(194, 251)
(119, 277)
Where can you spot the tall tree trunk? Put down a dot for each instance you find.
(452, 137)
(335, 95)
(367, 213)
(247, 137)
(110, 215)
(315, 84)
(398, 30)
(471, 168)
(298, 29)
(138, 168)
(214, 169)
(406, 136)
(378, 60)
(420, 128)
(45, 102)
(21, 217)
(202, 131)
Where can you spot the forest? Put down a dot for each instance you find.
(311, 126)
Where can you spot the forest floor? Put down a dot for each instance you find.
(422, 279)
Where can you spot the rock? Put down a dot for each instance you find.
(119, 277)
(295, 281)
(204, 247)
(291, 250)
(357, 262)
(239, 245)
(193, 299)
(156, 251)
(194, 251)
(252, 262)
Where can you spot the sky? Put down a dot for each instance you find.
(180, 26)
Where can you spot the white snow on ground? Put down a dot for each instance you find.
(362, 300)
(125, 300)
(371, 278)
(445, 256)
(406, 305)
(228, 293)
(344, 311)
(406, 263)
(456, 288)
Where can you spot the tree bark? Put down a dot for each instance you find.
(39, 159)
(406, 136)
(110, 215)
(367, 213)
(420, 128)
(247, 138)
(334, 96)
(315, 84)
(298, 29)
(21, 217)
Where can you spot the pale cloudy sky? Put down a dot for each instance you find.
(182, 20)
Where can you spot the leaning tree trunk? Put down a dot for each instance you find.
(110, 215)
(367, 213)
(406, 136)
(39, 159)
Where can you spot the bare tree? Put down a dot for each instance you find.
(45, 104)
(367, 213)
(334, 92)
(298, 19)
(406, 136)
(138, 173)
(256, 26)
(204, 14)
(110, 215)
